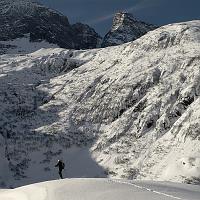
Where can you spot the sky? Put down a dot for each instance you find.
(99, 13)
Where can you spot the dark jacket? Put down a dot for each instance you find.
(60, 165)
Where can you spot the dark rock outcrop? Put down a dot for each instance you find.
(125, 28)
(22, 17)
(86, 37)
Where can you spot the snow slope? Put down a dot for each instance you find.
(133, 109)
(98, 189)
(23, 45)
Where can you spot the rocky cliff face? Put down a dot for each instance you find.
(27, 26)
(125, 28)
(130, 111)
(22, 17)
(86, 37)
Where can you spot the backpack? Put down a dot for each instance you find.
(63, 165)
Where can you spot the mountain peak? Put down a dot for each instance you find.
(125, 28)
(26, 17)
(122, 18)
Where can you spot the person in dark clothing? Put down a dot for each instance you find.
(61, 165)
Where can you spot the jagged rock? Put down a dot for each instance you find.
(22, 17)
(125, 28)
(86, 37)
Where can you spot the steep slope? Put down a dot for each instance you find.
(28, 19)
(125, 28)
(133, 109)
(86, 37)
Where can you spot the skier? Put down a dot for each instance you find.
(61, 165)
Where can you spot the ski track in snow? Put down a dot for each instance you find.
(148, 189)
(98, 189)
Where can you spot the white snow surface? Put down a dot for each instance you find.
(24, 46)
(98, 189)
(130, 111)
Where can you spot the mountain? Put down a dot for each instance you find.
(86, 37)
(125, 28)
(128, 111)
(98, 189)
(26, 22)
(27, 26)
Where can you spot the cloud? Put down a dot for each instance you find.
(100, 19)
(142, 4)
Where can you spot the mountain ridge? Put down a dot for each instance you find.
(28, 23)
(130, 111)
(22, 17)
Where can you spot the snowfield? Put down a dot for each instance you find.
(98, 189)
(130, 111)
(23, 45)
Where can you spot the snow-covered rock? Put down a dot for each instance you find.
(133, 109)
(20, 18)
(125, 28)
